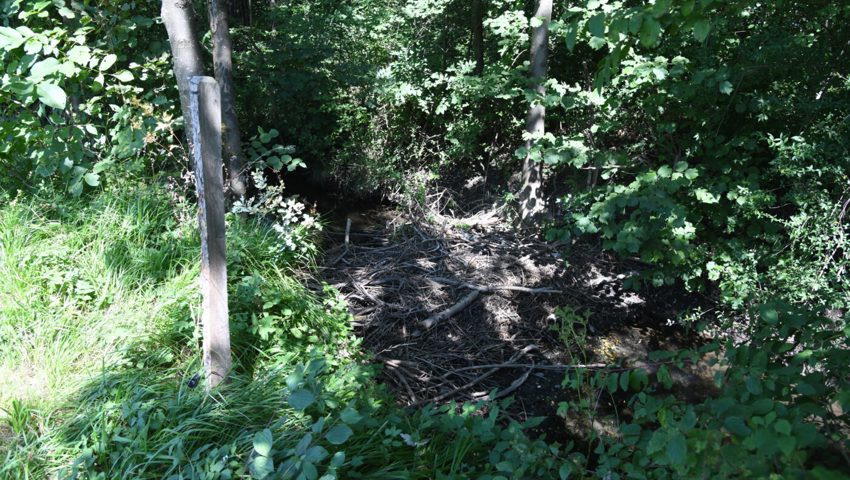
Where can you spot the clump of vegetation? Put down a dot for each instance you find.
(706, 142)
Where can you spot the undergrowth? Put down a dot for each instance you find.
(99, 351)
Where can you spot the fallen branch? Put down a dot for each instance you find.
(449, 312)
(589, 366)
(511, 389)
(492, 288)
(473, 382)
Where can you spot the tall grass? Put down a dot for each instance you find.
(99, 342)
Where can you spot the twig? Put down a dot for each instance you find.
(473, 382)
(492, 288)
(454, 309)
(347, 230)
(512, 388)
(589, 366)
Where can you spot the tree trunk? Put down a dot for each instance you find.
(478, 9)
(178, 17)
(234, 159)
(531, 198)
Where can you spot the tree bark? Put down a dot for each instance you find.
(178, 17)
(531, 197)
(478, 9)
(234, 158)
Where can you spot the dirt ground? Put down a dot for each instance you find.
(456, 303)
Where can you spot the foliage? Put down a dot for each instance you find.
(777, 409)
(289, 217)
(96, 301)
(713, 155)
(84, 91)
(708, 140)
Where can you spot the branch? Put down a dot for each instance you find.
(454, 309)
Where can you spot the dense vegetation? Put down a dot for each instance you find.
(706, 140)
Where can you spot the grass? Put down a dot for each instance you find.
(98, 340)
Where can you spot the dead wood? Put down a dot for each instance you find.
(449, 312)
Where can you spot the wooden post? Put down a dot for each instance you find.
(206, 134)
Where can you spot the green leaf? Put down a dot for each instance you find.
(612, 383)
(46, 67)
(753, 385)
(124, 76)
(661, 7)
(350, 416)
(263, 442)
(782, 426)
(806, 389)
(596, 25)
(705, 196)
(92, 179)
(308, 471)
(687, 8)
(787, 445)
(80, 54)
(565, 471)
(691, 173)
(316, 454)
(338, 459)
(650, 29)
(736, 426)
(572, 35)
(701, 29)
(301, 399)
(665, 171)
(10, 38)
(51, 95)
(624, 381)
(677, 449)
(339, 434)
(66, 12)
(107, 62)
(261, 467)
(664, 377)
(725, 87)
(597, 42)
(769, 314)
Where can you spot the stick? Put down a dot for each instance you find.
(454, 309)
(347, 229)
(511, 389)
(473, 382)
(589, 366)
(492, 288)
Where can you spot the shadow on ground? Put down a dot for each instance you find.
(401, 270)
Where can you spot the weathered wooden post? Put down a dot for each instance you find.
(205, 107)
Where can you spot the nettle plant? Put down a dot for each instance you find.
(290, 218)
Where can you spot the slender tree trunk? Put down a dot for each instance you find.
(478, 9)
(531, 197)
(234, 159)
(178, 17)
